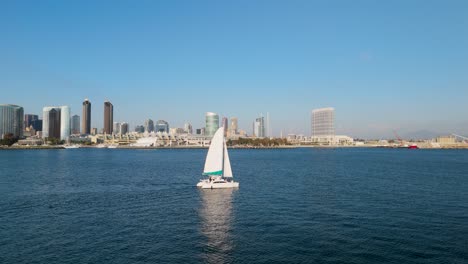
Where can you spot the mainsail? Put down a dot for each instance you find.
(214, 158)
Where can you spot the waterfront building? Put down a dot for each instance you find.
(188, 128)
(56, 122)
(94, 131)
(53, 124)
(140, 129)
(108, 117)
(123, 128)
(211, 123)
(75, 125)
(234, 126)
(162, 126)
(29, 119)
(11, 120)
(259, 127)
(224, 123)
(86, 124)
(323, 127)
(116, 129)
(64, 122)
(149, 125)
(37, 124)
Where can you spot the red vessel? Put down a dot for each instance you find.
(412, 147)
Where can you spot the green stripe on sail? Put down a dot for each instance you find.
(213, 173)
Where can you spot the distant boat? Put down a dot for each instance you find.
(71, 146)
(217, 165)
(112, 146)
(413, 146)
(101, 146)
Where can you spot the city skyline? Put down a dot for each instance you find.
(385, 67)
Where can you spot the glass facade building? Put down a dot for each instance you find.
(259, 127)
(11, 120)
(211, 123)
(162, 126)
(75, 125)
(56, 122)
(323, 125)
(108, 117)
(29, 119)
(149, 125)
(234, 125)
(86, 117)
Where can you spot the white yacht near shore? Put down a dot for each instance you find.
(217, 165)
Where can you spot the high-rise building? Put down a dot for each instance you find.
(94, 131)
(188, 128)
(37, 124)
(323, 128)
(200, 131)
(162, 126)
(108, 117)
(64, 122)
(123, 128)
(56, 122)
(11, 120)
(149, 125)
(224, 123)
(86, 117)
(116, 129)
(234, 126)
(259, 127)
(140, 129)
(29, 119)
(53, 123)
(75, 125)
(211, 123)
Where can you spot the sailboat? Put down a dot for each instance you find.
(217, 165)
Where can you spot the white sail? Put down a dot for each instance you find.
(227, 163)
(214, 158)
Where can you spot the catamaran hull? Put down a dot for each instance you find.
(221, 185)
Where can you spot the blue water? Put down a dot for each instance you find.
(293, 205)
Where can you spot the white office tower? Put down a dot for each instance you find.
(323, 125)
(64, 122)
(56, 122)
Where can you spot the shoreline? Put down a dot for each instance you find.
(49, 147)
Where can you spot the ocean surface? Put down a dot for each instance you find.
(293, 206)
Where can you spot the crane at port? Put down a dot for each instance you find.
(462, 137)
(398, 137)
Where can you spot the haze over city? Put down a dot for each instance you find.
(390, 66)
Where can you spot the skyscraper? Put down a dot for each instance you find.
(56, 122)
(108, 117)
(86, 117)
(140, 129)
(29, 119)
(224, 123)
(75, 125)
(162, 126)
(64, 122)
(188, 128)
(149, 125)
(211, 123)
(11, 120)
(123, 128)
(53, 127)
(323, 128)
(259, 127)
(116, 129)
(234, 126)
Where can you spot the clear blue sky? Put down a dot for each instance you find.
(383, 65)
